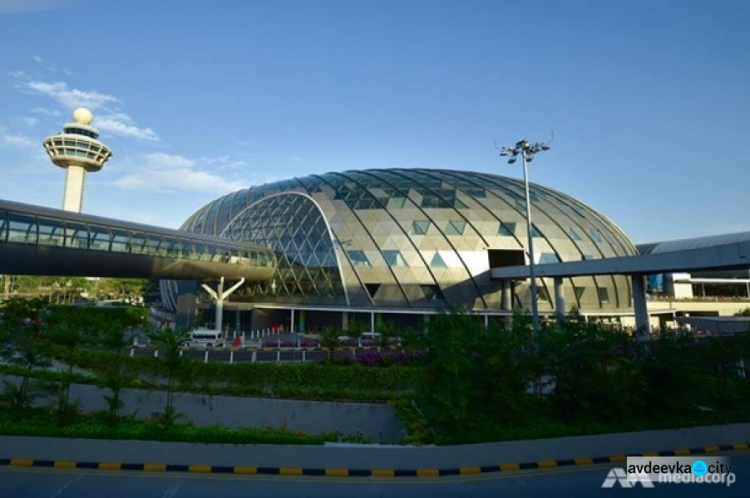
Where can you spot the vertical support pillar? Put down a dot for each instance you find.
(372, 321)
(219, 315)
(302, 326)
(559, 301)
(291, 323)
(344, 320)
(237, 320)
(486, 321)
(640, 308)
(506, 304)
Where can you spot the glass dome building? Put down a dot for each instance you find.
(414, 239)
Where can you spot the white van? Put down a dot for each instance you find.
(205, 338)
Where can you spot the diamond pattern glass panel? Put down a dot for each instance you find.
(395, 259)
(455, 227)
(507, 228)
(294, 228)
(372, 289)
(420, 227)
(603, 295)
(358, 258)
(432, 292)
(437, 261)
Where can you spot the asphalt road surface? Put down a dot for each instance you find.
(561, 482)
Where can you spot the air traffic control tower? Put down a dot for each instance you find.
(77, 150)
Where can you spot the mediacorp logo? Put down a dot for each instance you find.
(619, 476)
(647, 471)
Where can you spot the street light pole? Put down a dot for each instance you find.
(527, 151)
(530, 238)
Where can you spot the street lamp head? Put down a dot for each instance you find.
(524, 148)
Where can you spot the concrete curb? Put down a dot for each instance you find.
(338, 472)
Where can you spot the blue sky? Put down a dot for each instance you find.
(649, 99)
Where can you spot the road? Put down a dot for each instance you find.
(562, 482)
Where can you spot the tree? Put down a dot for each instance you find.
(22, 347)
(450, 370)
(387, 331)
(117, 373)
(169, 341)
(355, 330)
(70, 328)
(329, 339)
(120, 288)
(587, 362)
(28, 356)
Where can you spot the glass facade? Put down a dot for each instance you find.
(294, 228)
(413, 238)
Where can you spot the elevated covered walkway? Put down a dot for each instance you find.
(36, 240)
(721, 252)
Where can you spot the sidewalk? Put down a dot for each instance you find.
(562, 450)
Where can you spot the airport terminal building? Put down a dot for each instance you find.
(405, 243)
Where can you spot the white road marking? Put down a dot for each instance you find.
(63, 488)
(172, 490)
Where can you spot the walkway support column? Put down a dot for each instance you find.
(219, 295)
(505, 301)
(559, 302)
(642, 328)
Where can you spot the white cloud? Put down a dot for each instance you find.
(70, 97)
(28, 121)
(121, 124)
(161, 172)
(117, 123)
(49, 66)
(223, 162)
(18, 141)
(45, 112)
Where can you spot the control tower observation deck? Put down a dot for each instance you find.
(78, 150)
